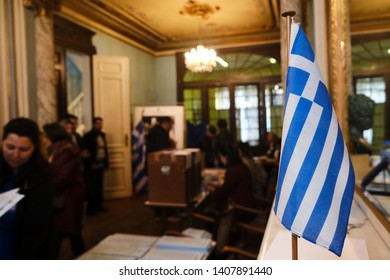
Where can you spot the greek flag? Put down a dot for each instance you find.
(316, 178)
(140, 180)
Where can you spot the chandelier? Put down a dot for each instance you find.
(201, 59)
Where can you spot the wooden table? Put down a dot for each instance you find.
(188, 207)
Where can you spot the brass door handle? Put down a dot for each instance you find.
(126, 140)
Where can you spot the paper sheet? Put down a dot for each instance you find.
(197, 233)
(184, 243)
(121, 246)
(163, 254)
(8, 200)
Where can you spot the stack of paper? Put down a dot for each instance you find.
(163, 254)
(121, 246)
(8, 200)
(191, 244)
(197, 233)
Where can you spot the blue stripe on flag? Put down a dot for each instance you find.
(299, 77)
(140, 180)
(300, 116)
(311, 159)
(302, 46)
(320, 212)
(346, 202)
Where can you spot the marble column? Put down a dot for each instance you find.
(44, 53)
(341, 69)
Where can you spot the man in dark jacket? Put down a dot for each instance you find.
(95, 164)
(158, 136)
(77, 139)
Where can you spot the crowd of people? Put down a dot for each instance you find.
(244, 179)
(57, 171)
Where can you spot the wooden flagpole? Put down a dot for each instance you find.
(289, 15)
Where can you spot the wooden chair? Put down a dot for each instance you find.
(222, 229)
(251, 232)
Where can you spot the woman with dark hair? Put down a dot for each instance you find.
(237, 185)
(273, 146)
(259, 176)
(68, 188)
(25, 229)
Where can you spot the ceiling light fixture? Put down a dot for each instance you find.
(201, 59)
(222, 62)
(272, 60)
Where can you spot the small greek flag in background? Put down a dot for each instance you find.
(316, 178)
(140, 180)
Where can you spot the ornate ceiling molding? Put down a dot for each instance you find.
(201, 10)
(116, 22)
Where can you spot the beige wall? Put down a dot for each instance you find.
(152, 79)
(166, 82)
(142, 74)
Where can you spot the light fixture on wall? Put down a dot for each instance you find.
(201, 59)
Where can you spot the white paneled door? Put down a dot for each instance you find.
(111, 100)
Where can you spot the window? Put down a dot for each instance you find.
(219, 105)
(193, 105)
(247, 114)
(235, 93)
(274, 108)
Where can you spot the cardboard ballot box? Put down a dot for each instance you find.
(170, 175)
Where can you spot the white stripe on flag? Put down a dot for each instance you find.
(139, 168)
(315, 76)
(288, 117)
(329, 227)
(297, 158)
(313, 191)
(141, 184)
(293, 35)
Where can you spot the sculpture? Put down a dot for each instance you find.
(361, 117)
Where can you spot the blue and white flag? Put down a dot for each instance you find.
(316, 178)
(140, 180)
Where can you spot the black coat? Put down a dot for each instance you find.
(91, 144)
(34, 222)
(34, 215)
(157, 139)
